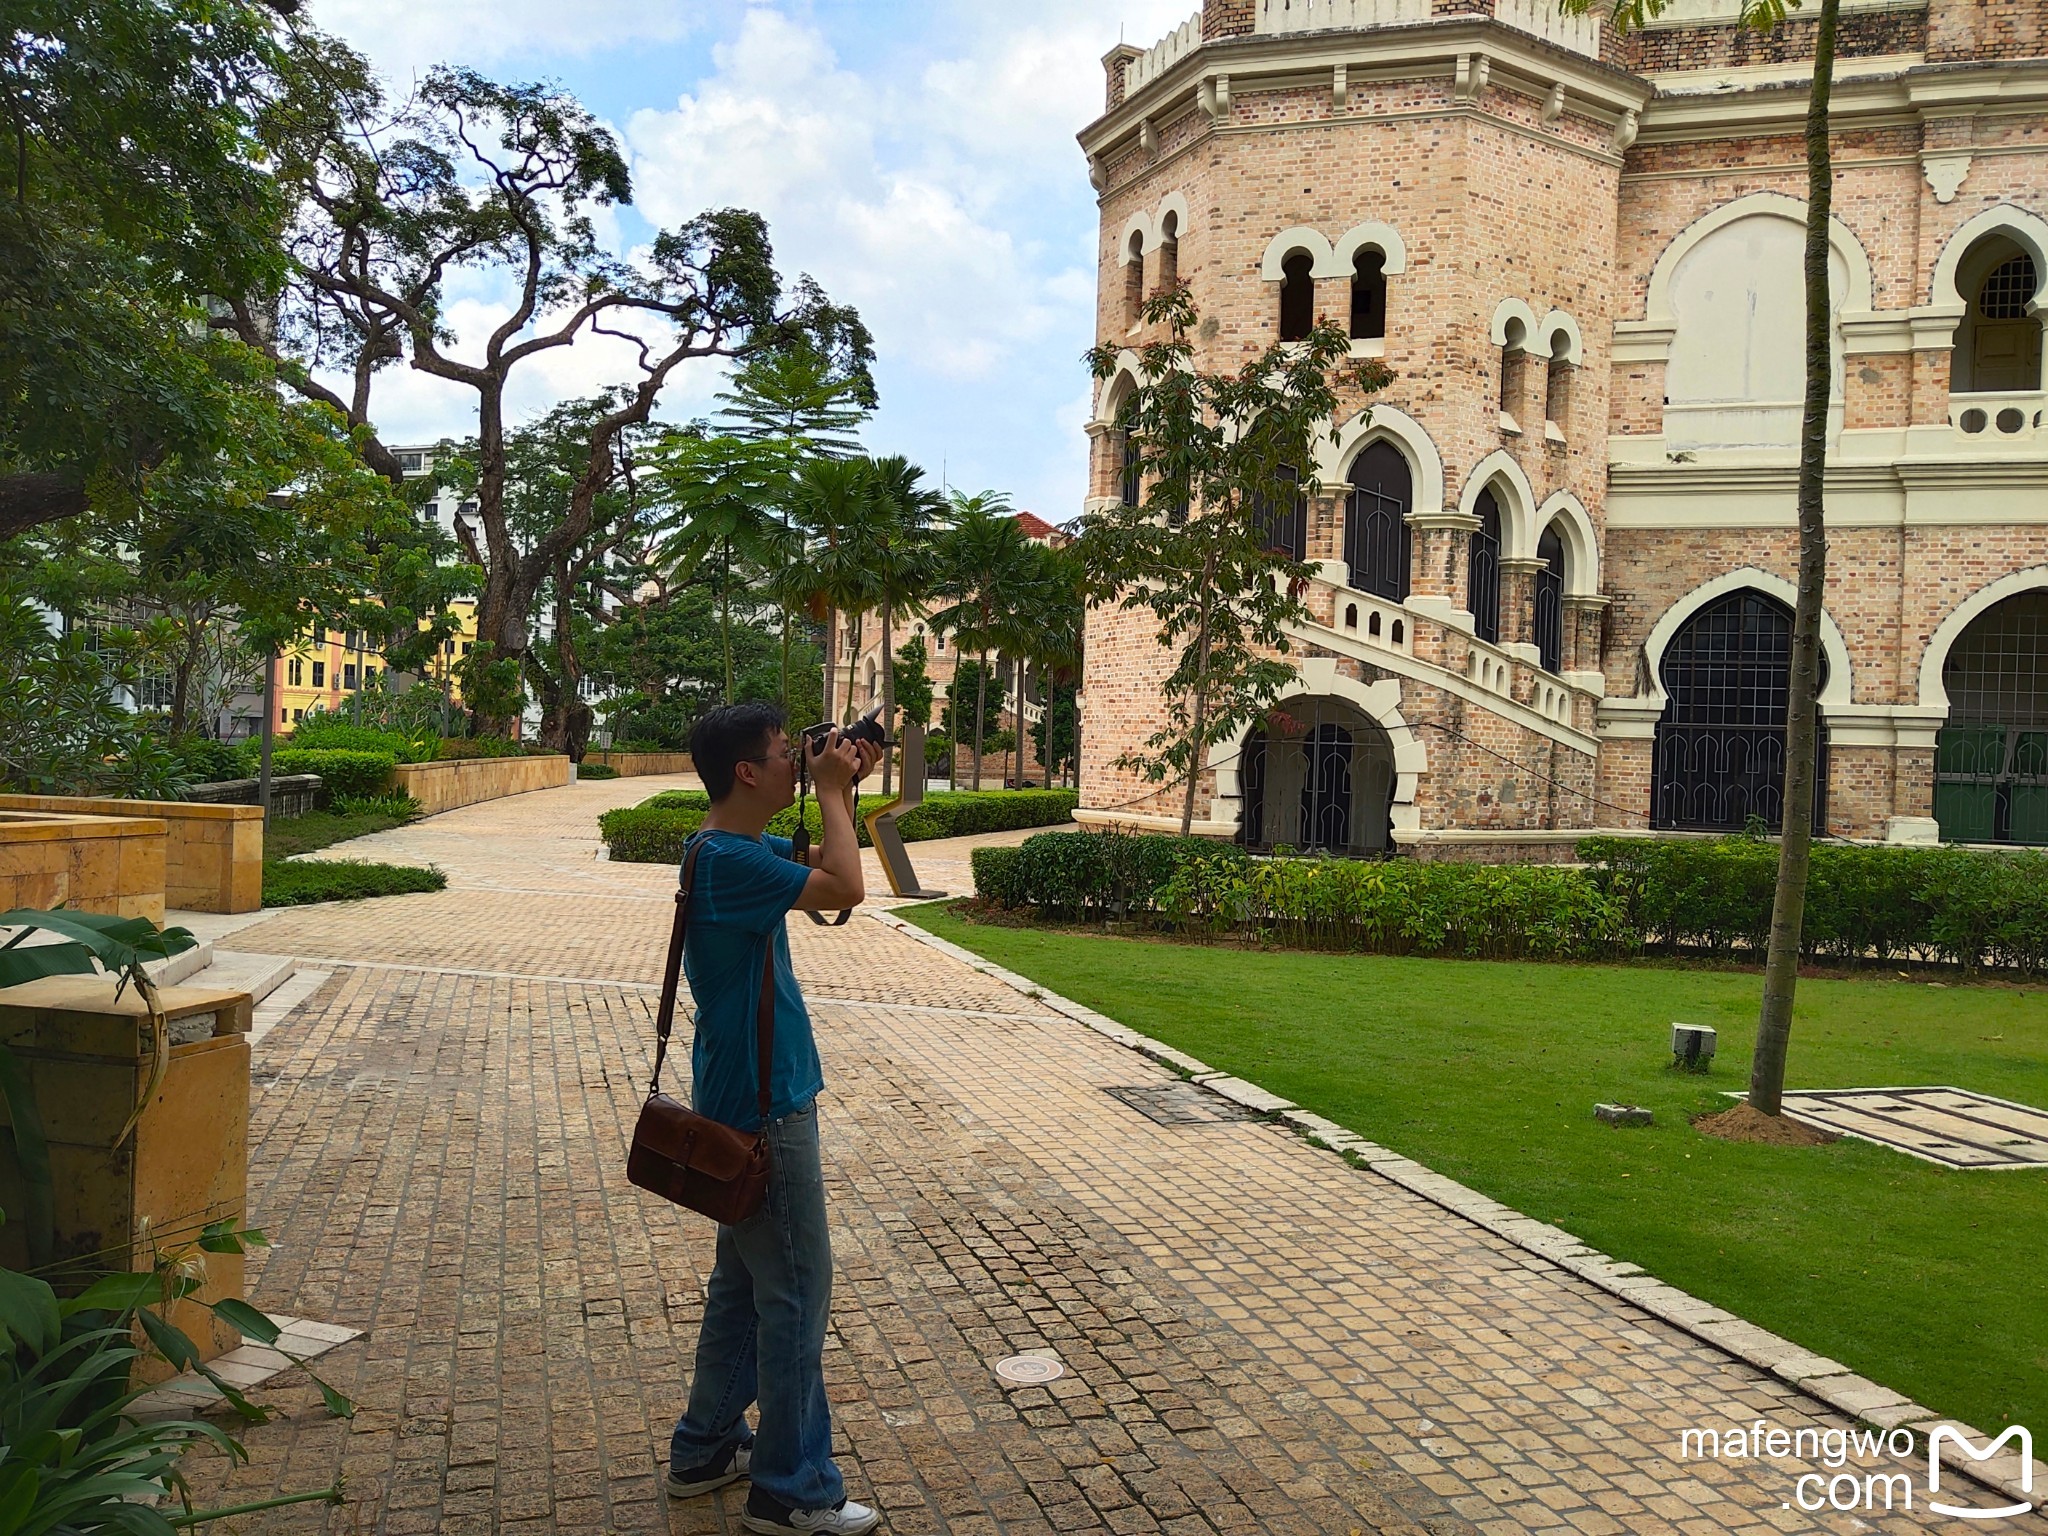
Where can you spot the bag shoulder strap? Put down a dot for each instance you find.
(764, 1008)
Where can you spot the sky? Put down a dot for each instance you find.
(916, 157)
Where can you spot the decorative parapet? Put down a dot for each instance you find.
(1155, 61)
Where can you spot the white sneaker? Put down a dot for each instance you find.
(849, 1519)
(728, 1469)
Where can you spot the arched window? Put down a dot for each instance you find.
(1134, 280)
(1719, 757)
(1169, 253)
(1549, 614)
(1998, 345)
(1130, 481)
(1317, 775)
(1285, 530)
(1512, 362)
(1297, 296)
(1557, 383)
(1482, 571)
(1991, 758)
(1368, 295)
(1377, 538)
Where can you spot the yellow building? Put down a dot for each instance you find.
(328, 670)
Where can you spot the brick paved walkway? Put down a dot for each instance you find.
(1257, 1337)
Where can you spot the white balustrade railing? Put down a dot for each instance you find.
(1277, 16)
(1992, 415)
(1163, 55)
(1494, 670)
(1360, 617)
(1541, 18)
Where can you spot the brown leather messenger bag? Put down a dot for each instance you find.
(685, 1157)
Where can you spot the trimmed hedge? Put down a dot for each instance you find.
(342, 772)
(330, 733)
(596, 771)
(1962, 907)
(298, 882)
(654, 831)
(454, 748)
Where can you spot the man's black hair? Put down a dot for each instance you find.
(728, 736)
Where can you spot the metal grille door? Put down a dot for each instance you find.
(1550, 601)
(1482, 572)
(1720, 748)
(1377, 539)
(1317, 777)
(1991, 759)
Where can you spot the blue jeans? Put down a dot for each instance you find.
(763, 1336)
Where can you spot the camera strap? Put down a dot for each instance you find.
(800, 840)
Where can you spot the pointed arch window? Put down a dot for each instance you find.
(1377, 539)
(1297, 296)
(1134, 279)
(1369, 295)
(1169, 253)
(1284, 529)
(1482, 571)
(1549, 615)
(1130, 484)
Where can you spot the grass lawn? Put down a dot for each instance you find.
(1927, 1280)
(287, 836)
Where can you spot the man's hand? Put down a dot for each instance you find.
(838, 765)
(870, 754)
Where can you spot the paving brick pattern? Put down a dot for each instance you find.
(1257, 1337)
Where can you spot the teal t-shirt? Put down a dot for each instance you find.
(744, 888)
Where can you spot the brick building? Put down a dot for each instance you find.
(1557, 555)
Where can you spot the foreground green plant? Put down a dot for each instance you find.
(301, 882)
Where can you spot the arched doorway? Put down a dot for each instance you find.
(1991, 759)
(1720, 750)
(1378, 542)
(1317, 776)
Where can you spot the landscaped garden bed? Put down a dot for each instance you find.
(1487, 1072)
(654, 831)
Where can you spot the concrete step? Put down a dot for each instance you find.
(258, 975)
(182, 966)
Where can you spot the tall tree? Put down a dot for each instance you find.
(802, 395)
(1788, 905)
(986, 567)
(137, 188)
(838, 510)
(905, 562)
(473, 179)
(1216, 451)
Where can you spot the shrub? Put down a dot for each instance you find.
(205, 761)
(325, 732)
(394, 807)
(296, 882)
(596, 771)
(342, 772)
(654, 831)
(453, 748)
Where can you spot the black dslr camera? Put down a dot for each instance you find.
(867, 728)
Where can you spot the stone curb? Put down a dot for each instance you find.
(1825, 1380)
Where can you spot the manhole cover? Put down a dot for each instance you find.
(1179, 1103)
(1950, 1126)
(1030, 1370)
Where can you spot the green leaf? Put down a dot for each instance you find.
(246, 1320)
(118, 1293)
(18, 1486)
(28, 1312)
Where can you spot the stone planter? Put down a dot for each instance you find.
(291, 794)
(633, 764)
(93, 863)
(212, 854)
(88, 1058)
(458, 781)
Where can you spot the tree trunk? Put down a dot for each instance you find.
(888, 703)
(826, 710)
(1011, 670)
(181, 679)
(785, 659)
(725, 616)
(980, 711)
(1788, 906)
(269, 729)
(852, 661)
(1199, 720)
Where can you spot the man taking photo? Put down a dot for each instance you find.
(763, 1334)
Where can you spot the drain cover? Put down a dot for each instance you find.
(1030, 1370)
(1179, 1103)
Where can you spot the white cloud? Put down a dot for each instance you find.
(405, 36)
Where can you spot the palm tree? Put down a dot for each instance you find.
(835, 505)
(985, 561)
(1788, 906)
(905, 563)
(1055, 641)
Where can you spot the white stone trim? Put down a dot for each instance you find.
(1857, 294)
(1933, 694)
(1335, 451)
(1575, 343)
(1512, 309)
(1139, 224)
(1383, 238)
(1581, 543)
(1517, 507)
(1838, 692)
(1175, 203)
(1129, 368)
(1299, 238)
(1380, 702)
(2026, 230)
